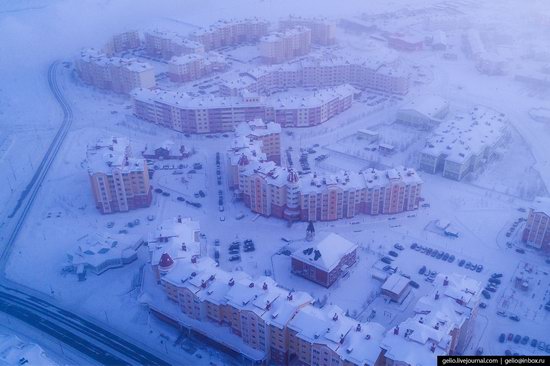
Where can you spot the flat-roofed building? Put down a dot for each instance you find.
(537, 227)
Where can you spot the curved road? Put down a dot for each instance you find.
(38, 311)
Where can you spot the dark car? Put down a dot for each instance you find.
(534, 342)
(467, 265)
(517, 338)
(445, 256)
(496, 275)
(439, 255)
(510, 336)
(486, 294)
(386, 260)
(495, 281)
(398, 246)
(520, 250)
(414, 246)
(479, 268)
(422, 270)
(414, 284)
(166, 194)
(181, 199)
(393, 254)
(514, 318)
(461, 262)
(234, 251)
(202, 194)
(434, 253)
(525, 340)
(492, 289)
(216, 255)
(482, 305)
(158, 190)
(502, 338)
(429, 251)
(234, 258)
(451, 259)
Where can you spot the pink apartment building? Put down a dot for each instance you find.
(231, 33)
(195, 66)
(323, 31)
(537, 227)
(119, 182)
(208, 114)
(167, 44)
(120, 75)
(280, 47)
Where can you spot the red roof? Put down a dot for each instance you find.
(166, 261)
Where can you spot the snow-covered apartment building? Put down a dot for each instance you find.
(272, 190)
(206, 114)
(254, 317)
(323, 31)
(194, 66)
(279, 47)
(120, 75)
(320, 71)
(119, 181)
(167, 44)
(463, 143)
(124, 41)
(268, 134)
(537, 227)
(442, 323)
(231, 33)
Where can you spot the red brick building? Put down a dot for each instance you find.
(325, 261)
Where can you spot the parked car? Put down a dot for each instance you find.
(514, 318)
(158, 190)
(502, 338)
(434, 253)
(510, 337)
(414, 246)
(393, 253)
(166, 194)
(533, 342)
(445, 256)
(398, 246)
(181, 199)
(414, 284)
(520, 250)
(525, 340)
(496, 275)
(479, 351)
(517, 338)
(491, 289)
(451, 258)
(234, 258)
(482, 305)
(422, 270)
(501, 313)
(387, 260)
(479, 268)
(486, 294)
(461, 262)
(496, 281)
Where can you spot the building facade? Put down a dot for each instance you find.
(226, 33)
(537, 227)
(120, 75)
(167, 44)
(323, 31)
(283, 46)
(194, 66)
(184, 113)
(317, 72)
(119, 182)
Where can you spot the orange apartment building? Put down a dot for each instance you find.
(119, 182)
(167, 44)
(537, 227)
(195, 66)
(226, 33)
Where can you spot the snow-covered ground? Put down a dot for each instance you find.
(481, 208)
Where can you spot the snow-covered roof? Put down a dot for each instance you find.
(108, 154)
(429, 106)
(91, 55)
(177, 236)
(467, 134)
(396, 284)
(281, 36)
(326, 253)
